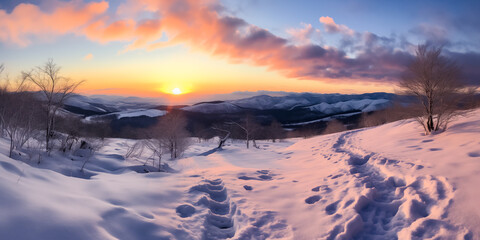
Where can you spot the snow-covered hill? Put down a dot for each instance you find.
(386, 182)
(364, 105)
(131, 113)
(101, 104)
(292, 110)
(326, 104)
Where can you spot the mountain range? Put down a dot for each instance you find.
(295, 109)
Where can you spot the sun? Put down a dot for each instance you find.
(176, 91)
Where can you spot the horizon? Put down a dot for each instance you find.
(237, 95)
(185, 50)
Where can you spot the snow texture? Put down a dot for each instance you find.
(386, 182)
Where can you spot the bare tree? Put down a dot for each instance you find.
(70, 127)
(55, 89)
(436, 82)
(18, 112)
(223, 139)
(3, 97)
(91, 146)
(157, 146)
(334, 126)
(249, 126)
(275, 131)
(18, 119)
(171, 134)
(135, 150)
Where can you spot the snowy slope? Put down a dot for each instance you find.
(387, 182)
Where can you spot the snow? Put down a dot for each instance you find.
(325, 103)
(364, 105)
(223, 107)
(106, 103)
(386, 182)
(264, 102)
(325, 119)
(141, 112)
(131, 113)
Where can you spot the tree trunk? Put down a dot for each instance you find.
(48, 134)
(11, 147)
(430, 126)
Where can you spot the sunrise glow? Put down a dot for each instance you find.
(176, 91)
(149, 48)
(239, 119)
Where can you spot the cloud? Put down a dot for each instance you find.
(304, 35)
(103, 32)
(27, 21)
(88, 57)
(332, 27)
(205, 25)
(432, 33)
(468, 62)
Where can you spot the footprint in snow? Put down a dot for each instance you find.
(331, 208)
(262, 175)
(474, 154)
(312, 199)
(185, 210)
(219, 222)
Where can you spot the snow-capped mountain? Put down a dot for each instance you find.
(291, 110)
(326, 104)
(152, 113)
(109, 104)
(363, 105)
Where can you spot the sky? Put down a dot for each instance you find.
(211, 48)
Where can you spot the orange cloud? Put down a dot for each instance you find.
(304, 35)
(332, 27)
(121, 30)
(28, 20)
(88, 57)
(204, 25)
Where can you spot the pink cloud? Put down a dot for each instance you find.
(332, 27)
(304, 35)
(203, 25)
(101, 31)
(28, 21)
(88, 57)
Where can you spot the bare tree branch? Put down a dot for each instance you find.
(55, 88)
(435, 81)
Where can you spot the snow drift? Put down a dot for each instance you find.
(386, 182)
